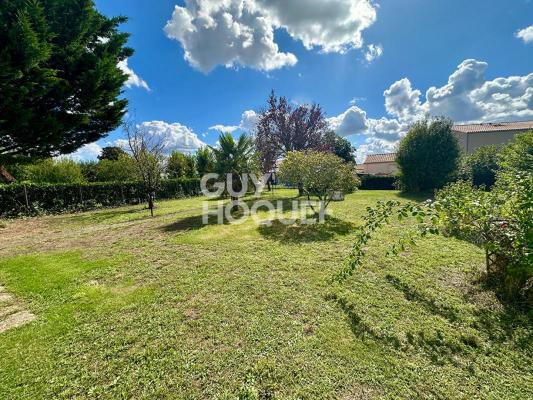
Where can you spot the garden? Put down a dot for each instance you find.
(139, 307)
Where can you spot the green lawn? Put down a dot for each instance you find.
(133, 307)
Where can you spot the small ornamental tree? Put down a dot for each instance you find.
(147, 151)
(428, 156)
(319, 174)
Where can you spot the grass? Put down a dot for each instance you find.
(133, 307)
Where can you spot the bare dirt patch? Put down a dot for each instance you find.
(12, 313)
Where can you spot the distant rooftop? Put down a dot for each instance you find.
(494, 127)
(380, 158)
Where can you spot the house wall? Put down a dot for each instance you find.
(383, 168)
(472, 141)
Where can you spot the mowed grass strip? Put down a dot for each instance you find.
(133, 307)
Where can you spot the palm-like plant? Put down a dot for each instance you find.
(235, 157)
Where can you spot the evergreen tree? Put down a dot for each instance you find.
(59, 80)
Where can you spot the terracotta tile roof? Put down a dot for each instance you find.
(380, 158)
(494, 127)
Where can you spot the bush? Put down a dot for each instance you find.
(32, 199)
(51, 170)
(123, 169)
(377, 182)
(481, 167)
(428, 156)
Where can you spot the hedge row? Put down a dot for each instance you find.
(31, 199)
(377, 182)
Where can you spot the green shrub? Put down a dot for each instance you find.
(31, 199)
(481, 167)
(428, 156)
(50, 170)
(377, 182)
(123, 169)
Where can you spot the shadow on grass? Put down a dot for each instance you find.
(438, 348)
(103, 215)
(298, 233)
(429, 304)
(417, 197)
(194, 222)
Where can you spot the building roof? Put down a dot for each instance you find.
(494, 127)
(380, 158)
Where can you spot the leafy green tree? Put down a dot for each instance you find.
(112, 153)
(205, 161)
(481, 166)
(59, 81)
(181, 165)
(428, 155)
(121, 170)
(53, 171)
(341, 147)
(235, 158)
(319, 174)
(89, 169)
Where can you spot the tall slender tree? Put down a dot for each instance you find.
(59, 81)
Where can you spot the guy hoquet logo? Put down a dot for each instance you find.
(237, 186)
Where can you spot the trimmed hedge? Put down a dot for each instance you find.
(377, 182)
(32, 199)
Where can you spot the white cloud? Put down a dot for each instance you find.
(467, 97)
(133, 79)
(526, 34)
(350, 122)
(374, 145)
(176, 137)
(373, 52)
(241, 32)
(249, 120)
(86, 153)
(224, 128)
(402, 101)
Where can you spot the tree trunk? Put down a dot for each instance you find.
(5, 176)
(151, 203)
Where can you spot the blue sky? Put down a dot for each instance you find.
(417, 45)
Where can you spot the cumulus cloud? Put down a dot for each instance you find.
(249, 120)
(241, 32)
(224, 128)
(86, 153)
(176, 137)
(526, 34)
(402, 101)
(374, 145)
(373, 52)
(350, 122)
(133, 79)
(467, 97)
